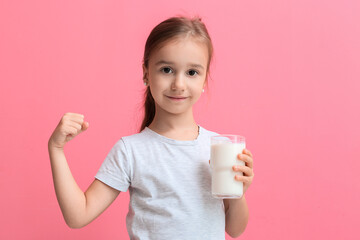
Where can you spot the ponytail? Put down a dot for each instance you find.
(149, 106)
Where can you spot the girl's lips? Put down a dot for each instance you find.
(177, 98)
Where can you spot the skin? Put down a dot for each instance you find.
(173, 119)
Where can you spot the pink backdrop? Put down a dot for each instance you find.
(285, 75)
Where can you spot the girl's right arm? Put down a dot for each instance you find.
(78, 208)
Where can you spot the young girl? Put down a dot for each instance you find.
(166, 165)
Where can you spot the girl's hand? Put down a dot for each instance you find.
(247, 170)
(70, 125)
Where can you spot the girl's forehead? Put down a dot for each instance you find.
(183, 41)
(182, 50)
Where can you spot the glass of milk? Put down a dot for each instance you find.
(224, 152)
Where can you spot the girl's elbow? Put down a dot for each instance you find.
(234, 234)
(71, 223)
(74, 226)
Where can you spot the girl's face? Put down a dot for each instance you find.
(176, 75)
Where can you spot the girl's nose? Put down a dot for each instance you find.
(179, 83)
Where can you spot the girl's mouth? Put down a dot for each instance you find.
(177, 98)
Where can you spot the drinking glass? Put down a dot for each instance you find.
(224, 151)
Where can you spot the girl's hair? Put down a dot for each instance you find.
(171, 29)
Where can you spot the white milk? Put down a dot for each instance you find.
(223, 158)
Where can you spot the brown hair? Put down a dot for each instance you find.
(167, 30)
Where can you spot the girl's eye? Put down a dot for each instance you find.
(166, 70)
(192, 72)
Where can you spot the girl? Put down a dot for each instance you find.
(165, 165)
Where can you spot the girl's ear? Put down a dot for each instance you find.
(145, 73)
(205, 82)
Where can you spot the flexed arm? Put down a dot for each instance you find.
(78, 208)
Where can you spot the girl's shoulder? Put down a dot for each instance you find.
(207, 132)
(136, 137)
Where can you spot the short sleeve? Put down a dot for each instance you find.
(115, 170)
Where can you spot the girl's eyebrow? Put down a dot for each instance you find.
(171, 63)
(163, 62)
(196, 65)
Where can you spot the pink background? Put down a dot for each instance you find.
(285, 75)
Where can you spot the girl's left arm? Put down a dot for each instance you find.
(236, 210)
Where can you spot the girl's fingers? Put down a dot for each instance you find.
(85, 126)
(79, 120)
(75, 125)
(247, 159)
(243, 179)
(71, 130)
(246, 151)
(246, 170)
(72, 121)
(75, 117)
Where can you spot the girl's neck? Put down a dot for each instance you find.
(179, 127)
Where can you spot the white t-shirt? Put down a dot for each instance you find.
(170, 186)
